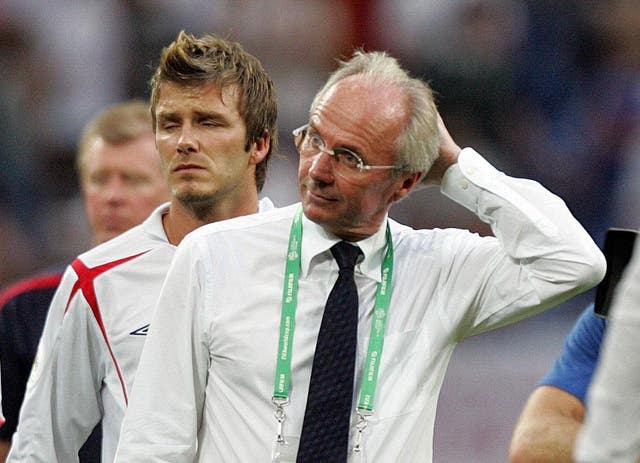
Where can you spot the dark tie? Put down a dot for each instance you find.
(325, 430)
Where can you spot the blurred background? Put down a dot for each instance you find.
(545, 89)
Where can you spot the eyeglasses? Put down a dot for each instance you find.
(346, 162)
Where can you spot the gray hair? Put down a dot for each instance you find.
(416, 148)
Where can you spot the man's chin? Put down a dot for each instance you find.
(202, 205)
(317, 213)
(194, 198)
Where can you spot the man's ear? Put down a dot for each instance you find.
(260, 148)
(409, 182)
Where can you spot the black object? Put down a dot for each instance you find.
(618, 247)
(325, 429)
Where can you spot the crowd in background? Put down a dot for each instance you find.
(544, 89)
(547, 90)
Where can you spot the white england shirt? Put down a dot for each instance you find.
(92, 341)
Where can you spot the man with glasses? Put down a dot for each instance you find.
(246, 363)
(346, 161)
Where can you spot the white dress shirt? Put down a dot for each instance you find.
(91, 344)
(611, 433)
(203, 391)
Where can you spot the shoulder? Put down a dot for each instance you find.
(270, 220)
(436, 238)
(32, 287)
(131, 243)
(241, 239)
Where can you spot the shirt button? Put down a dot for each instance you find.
(465, 185)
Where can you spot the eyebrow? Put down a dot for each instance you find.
(199, 114)
(166, 115)
(210, 114)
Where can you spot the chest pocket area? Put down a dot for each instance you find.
(402, 380)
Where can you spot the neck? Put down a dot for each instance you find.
(354, 234)
(353, 237)
(183, 218)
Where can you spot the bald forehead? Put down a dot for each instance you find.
(375, 94)
(376, 106)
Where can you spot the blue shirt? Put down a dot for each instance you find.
(573, 369)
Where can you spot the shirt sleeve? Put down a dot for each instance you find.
(62, 401)
(611, 433)
(540, 255)
(164, 413)
(573, 369)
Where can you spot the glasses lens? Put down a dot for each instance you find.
(345, 162)
(315, 143)
(348, 160)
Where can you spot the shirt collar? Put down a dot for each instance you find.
(153, 223)
(316, 240)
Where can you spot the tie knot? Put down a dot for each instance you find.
(345, 255)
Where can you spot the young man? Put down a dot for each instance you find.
(121, 182)
(267, 372)
(214, 117)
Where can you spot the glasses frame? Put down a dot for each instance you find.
(362, 167)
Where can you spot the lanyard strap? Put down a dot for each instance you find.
(288, 312)
(288, 318)
(378, 325)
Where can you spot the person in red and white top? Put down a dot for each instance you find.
(121, 182)
(215, 121)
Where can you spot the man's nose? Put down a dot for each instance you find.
(187, 143)
(114, 190)
(322, 167)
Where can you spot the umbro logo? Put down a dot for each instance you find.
(142, 331)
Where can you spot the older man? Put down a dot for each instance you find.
(246, 363)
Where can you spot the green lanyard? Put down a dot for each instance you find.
(288, 318)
